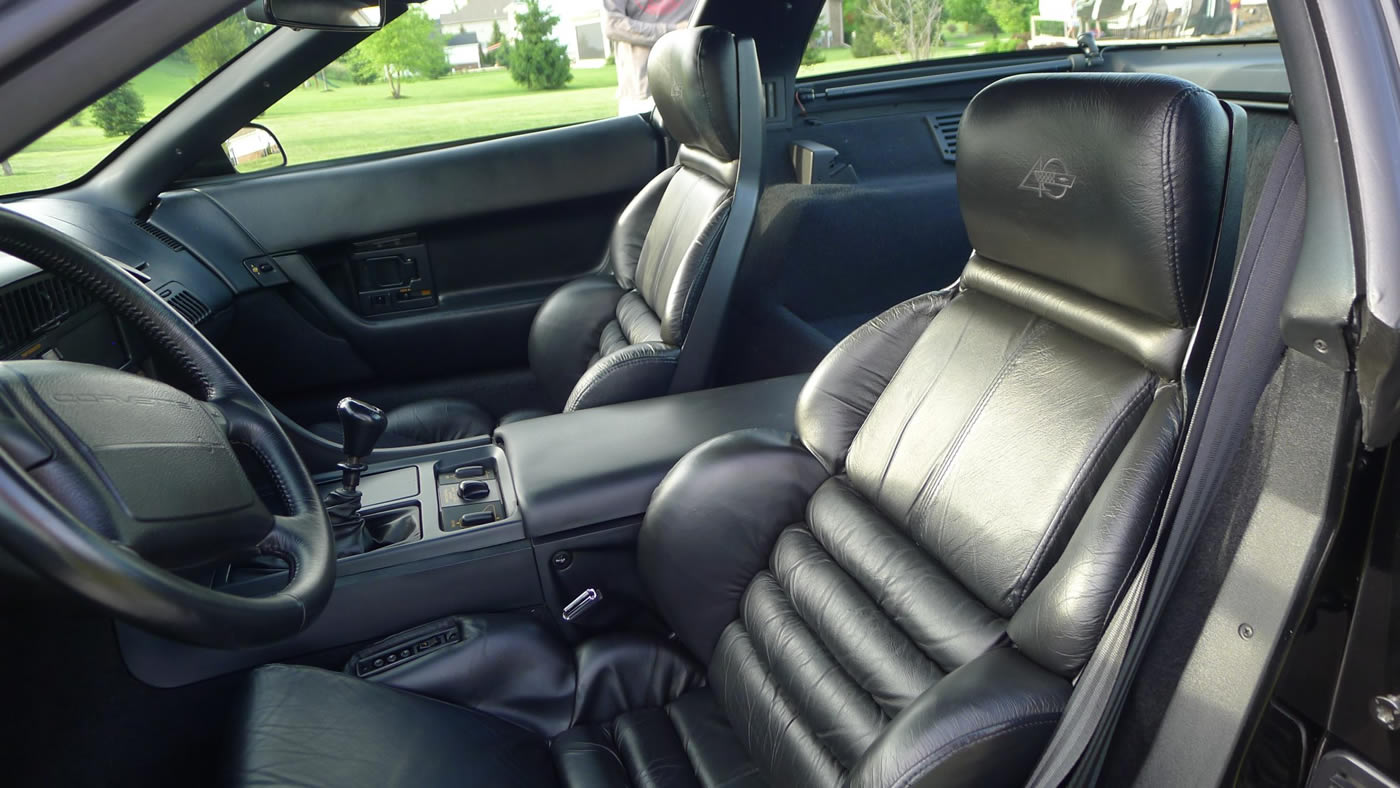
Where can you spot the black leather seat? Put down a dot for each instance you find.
(902, 593)
(618, 336)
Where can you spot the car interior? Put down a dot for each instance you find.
(1012, 419)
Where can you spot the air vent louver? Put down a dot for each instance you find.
(185, 302)
(34, 307)
(160, 235)
(945, 133)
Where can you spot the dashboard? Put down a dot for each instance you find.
(45, 316)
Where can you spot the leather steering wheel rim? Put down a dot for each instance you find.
(49, 539)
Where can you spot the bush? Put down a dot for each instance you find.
(361, 70)
(119, 113)
(496, 56)
(867, 42)
(537, 60)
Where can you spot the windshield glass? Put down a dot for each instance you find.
(860, 34)
(76, 146)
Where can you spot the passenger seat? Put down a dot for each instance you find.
(619, 335)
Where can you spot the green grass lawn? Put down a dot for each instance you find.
(69, 151)
(842, 59)
(314, 125)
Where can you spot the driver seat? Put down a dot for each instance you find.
(902, 593)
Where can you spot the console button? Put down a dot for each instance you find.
(469, 472)
(473, 490)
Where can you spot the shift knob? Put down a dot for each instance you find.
(362, 425)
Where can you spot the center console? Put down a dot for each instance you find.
(527, 522)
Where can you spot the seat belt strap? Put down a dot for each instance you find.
(1240, 364)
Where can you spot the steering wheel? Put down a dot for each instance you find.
(109, 481)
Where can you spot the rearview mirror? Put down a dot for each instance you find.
(345, 15)
(254, 148)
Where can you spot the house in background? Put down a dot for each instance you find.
(580, 27)
(463, 52)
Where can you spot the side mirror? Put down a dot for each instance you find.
(254, 148)
(343, 15)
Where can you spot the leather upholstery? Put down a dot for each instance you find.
(1133, 196)
(304, 726)
(694, 78)
(899, 594)
(617, 337)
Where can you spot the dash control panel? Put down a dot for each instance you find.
(469, 496)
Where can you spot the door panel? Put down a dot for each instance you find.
(417, 273)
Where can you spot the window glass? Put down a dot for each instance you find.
(859, 34)
(442, 72)
(85, 139)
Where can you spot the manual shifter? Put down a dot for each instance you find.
(362, 425)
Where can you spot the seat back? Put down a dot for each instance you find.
(620, 336)
(978, 466)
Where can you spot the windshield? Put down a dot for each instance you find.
(75, 146)
(858, 34)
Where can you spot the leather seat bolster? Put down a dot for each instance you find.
(986, 723)
(843, 388)
(712, 524)
(630, 231)
(1061, 621)
(566, 333)
(306, 726)
(632, 373)
(1147, 340)
(621, 672)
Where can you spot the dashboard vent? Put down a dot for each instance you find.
(945, 133)
(160, 235)
(34, 307)
(185, 302)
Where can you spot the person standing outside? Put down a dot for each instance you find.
(635, 25)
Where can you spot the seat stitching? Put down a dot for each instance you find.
(713, 226)
(670, 237)
(1087, 467)
(909, 415)
(1169, 196)
(933, 481)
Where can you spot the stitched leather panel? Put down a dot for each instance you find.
(781, 742)
(1108, 183)
(950, 453)
(878, 654)
(678, 247)
(843, 715)
(936, 611)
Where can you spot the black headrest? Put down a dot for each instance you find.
(1108, 183)
(694, 78)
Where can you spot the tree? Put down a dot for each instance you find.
(119, 113)
(491, 54)
(219, 44)
(536, 60)
(5, 168)
(362, 71)
(912, 24)
(814, 53)
(973, 12)
(406, 46)
(1012, 16)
